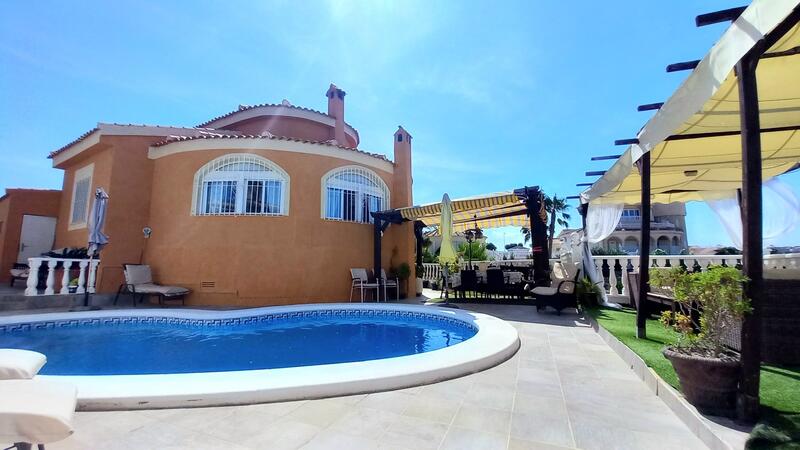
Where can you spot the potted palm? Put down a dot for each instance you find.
(419, 269)
(711, 304)
(587, 293)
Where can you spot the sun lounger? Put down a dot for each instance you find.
(35, 412)
(20, 364)
(139, 281)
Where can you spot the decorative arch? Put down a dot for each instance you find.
(631, 245)
(240, 184)
(351, 193)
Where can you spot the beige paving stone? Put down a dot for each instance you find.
(489, 395)
(415, 434)
(387, 401)
(543, 428)
(329, 439)
(320, 413)
(521, 444)
(366, 422)
(433, 408)
(283, 434)
(468, 439)
(483, 419)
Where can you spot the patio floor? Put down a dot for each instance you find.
(565, 388)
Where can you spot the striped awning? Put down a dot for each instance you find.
(486, 211)
(694, 139)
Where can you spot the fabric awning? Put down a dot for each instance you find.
(488, 211)
(694, 139)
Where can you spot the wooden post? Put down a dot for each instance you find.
(418, 226)
(747, 403)
(644, 248)
(376, 252)
(540, 254)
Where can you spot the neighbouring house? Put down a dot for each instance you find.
(268, 204)
(27, 226)
(667, 231)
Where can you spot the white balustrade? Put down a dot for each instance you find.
(86, 272)
(787, 265)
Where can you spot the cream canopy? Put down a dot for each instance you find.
(488, 211)
(694, 138)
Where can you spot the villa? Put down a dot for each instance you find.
(237, 205)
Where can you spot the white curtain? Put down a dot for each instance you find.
(575, 251)
(780, 211)
(602, 220)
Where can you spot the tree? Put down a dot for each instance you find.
(526, 234)
(510, 246)
(727, 251)
(557, 209)
(474, 251)
(491, 246)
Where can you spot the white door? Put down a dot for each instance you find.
(38, 234)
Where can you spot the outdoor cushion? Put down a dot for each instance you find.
(36, 411)
(137, 274)
(20, 273)
(542, 290)
(166, 291)
(19, 364)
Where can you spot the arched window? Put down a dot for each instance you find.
(351, 193)
(240, 184)
(631, 245)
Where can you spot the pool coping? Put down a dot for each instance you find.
(495, 342)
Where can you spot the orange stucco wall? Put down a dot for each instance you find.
(122, 168)
(258, 260)
(13, 206)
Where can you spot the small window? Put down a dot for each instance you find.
(351, 193)
(632, 213)
(81, 187)
(241, 184)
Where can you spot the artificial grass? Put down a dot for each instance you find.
(779, 428)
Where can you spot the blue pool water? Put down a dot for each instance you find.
(148, 346)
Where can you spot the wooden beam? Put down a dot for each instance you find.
(649, 106)
(595, 173)
(573, 197)
(376, 250)
(644, 248)
(747, 403)
(418, 226)
(626, 141)
(726, 15)
(606, 157)
(682, 137)
(686, 65)
(583, 184)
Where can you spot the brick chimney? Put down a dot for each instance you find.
(402, 197)
(336, 110)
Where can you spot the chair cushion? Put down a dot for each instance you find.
(137, 274)
(166, 291)
(542, 290)
(20, 364)
(20, 273)
(36, 411)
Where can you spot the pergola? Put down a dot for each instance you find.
(520, 207)
(733, 123)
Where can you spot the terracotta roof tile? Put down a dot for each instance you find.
(215, 134)
(79, 139)
(277, 105)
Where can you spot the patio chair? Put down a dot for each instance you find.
(495, 283)
(19, 272)
(35, 412)
(139, 281)
(360, 281)
(469, 282)
(560, 294)
(390, 283)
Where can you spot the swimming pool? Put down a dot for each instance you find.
(129, 359)
(152, 345)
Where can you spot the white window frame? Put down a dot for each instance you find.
(376, 188)
(85, 173)
(212, 172)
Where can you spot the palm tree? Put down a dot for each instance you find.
(557, 209)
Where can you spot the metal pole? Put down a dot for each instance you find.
(376, 240)
(747, 403)
(644, 248)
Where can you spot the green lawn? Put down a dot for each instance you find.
(780, 386)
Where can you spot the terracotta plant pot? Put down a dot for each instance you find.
(709, 384)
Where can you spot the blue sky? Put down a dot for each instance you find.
(496, 95)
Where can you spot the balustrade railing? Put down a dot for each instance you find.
(614, 269)
(66, 270)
